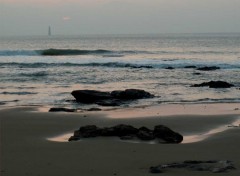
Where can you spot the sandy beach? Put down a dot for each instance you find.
(27, 150)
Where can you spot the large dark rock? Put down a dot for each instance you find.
(90, 96)
(208, 68)
(214, 84)
(131, 94)
(128, 132)
(115, 98)
(168, 135)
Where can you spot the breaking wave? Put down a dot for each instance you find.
(102, 52)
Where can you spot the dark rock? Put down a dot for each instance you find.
(131, 94)
(145, 134)
(127, 132)
(214, 84)
(124, 130)
(168, 135)
(197, 73)
(74, 138)
(89, 131)
(115, 98)
(110, 102)
(208, 68)
(61, 109)
(90, 96)
(2, 103)
(169, 68)
(190, 66)
(141, 66)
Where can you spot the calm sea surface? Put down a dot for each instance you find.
(29, 75)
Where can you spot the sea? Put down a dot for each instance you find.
(44, 70)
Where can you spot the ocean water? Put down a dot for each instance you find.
(44, 70)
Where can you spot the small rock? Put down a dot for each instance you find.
(208, 68)
(169, 68)
(214, 84)
(61, 109)
(190, 66)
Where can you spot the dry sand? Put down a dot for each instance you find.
(25, 149)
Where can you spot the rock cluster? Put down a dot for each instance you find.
(214, 84)
(125, 132)
(114, 98)
(213, 166)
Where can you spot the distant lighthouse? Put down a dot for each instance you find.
(49, 31)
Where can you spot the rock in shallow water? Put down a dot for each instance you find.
(214, 84)
(62, 110)
(114, 98)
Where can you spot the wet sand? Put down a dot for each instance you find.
(27, 150)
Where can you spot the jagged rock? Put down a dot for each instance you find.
(145, 134)
(124, 130)
(61, 109)
(214, 84)
(89, 131)
(128, 132)
(165, 133)
(208, 68)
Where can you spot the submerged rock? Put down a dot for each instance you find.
(214, 84)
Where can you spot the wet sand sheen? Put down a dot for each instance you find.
(29, 153)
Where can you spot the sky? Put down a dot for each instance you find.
(76, 17)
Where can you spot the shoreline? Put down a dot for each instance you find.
(25, 149)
